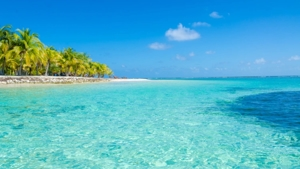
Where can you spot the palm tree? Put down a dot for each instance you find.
(69, 55)
(36, 60)
(7, 56)
(83, 69)
(51, 56)
(103, 70)
(4, 49)
(93, 69)
(23, 51)
(79, 63)
(5, 32)
(27, 46)
(109, 72)
(6, 39)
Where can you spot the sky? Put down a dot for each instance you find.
(166, 39)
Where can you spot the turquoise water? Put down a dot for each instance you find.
(205, 123)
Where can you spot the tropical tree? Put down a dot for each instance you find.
(109, 72)
(5, 32)
(101, 70)
(51, 56)
(28, 46)
(81, 65)
(69, 58)
(4, 50)
(83, 69)
(6, 39)
(92, 69)
(24, 52)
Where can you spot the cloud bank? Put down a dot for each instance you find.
(260, 61)
(215, 15)
(296, 57)
(196, 24)
(158, 46)
(182, 34)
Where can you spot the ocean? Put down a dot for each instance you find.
(179, 123)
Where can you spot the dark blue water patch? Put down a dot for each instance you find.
(233, 90)
(278, 109)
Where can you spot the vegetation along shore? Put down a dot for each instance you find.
(23, 54)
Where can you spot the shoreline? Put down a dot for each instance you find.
(28, 80)
(129, 80)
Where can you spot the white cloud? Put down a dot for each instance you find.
(158, 46)
(182, 34)
(192, 54)
(215, 15)
(195, 24)
(123, 66)
(178, 57)
(296, 57)
(260, 61)
(210, 52)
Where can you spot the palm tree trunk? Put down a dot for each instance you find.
(68, 72)
(47, 67)
(59, 73)
(36, 69)
(20, 69)
(21, 64)
(3, 66)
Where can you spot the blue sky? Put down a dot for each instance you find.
(191, 38)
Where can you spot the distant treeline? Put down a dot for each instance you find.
(22, 53)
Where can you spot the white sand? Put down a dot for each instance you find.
(127, 80)
(42, 80)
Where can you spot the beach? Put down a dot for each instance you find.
(13, 80)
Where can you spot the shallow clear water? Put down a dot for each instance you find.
(215, 123)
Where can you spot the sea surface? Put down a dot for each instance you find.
(186, 123)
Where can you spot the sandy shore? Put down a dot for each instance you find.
(128, 80)
(13, 80)
(6, 80)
